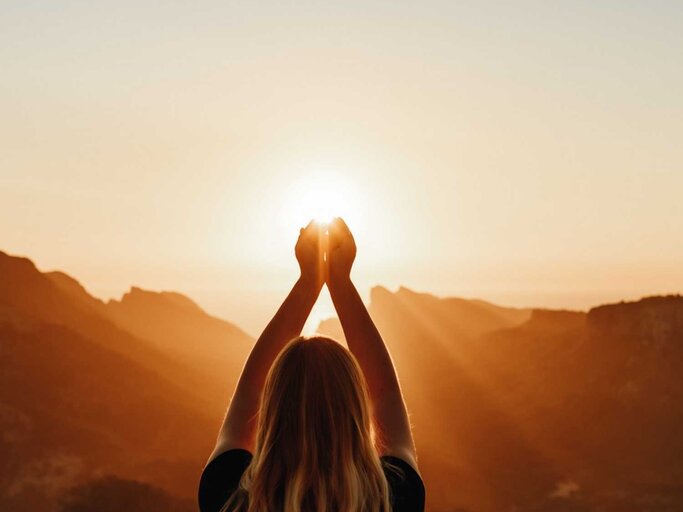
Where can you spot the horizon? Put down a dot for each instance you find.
(324, 309)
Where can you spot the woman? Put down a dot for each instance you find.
(313, 427)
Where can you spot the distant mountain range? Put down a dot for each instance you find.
(541, 410)
(134, 388)
(513, 409)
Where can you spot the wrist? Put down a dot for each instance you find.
(310, 283)
(339, 282)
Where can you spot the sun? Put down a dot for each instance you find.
(321, 202)
(320, 195)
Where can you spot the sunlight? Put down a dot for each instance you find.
(320, 195)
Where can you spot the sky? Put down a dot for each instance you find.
(527, 154)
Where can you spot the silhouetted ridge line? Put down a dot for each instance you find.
(536, 409)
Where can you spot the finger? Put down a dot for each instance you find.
(313, 229)
(334, 226)
(322, 249)
(333, 238)
(313, 238)
(343, 226)
(338, 230)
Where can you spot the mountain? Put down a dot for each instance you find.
(172, 324)
(538, 409)
(90, 389)
(513, 409)
(70, 409)
(457, 318)
(211, 351)
(32, 296)
(176, 325)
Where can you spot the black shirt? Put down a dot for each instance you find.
(222, 476)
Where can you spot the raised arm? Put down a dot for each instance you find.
(239, 427)
(367, 346)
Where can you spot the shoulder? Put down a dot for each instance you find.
(221, 477)
(405, 484)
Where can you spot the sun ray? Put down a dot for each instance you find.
(320, 195)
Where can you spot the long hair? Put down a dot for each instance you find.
(315, 442)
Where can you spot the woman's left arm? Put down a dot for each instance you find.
(239, 426)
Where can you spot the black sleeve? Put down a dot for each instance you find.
(220, 478)
(405, 485)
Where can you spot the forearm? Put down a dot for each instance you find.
(366, 344)
(239, 425)
(285, 326)
(364, 339)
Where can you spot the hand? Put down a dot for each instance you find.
(309, 252)
(341, 251)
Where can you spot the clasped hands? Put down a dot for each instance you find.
(325, 252)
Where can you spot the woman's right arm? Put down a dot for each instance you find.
(367, 346)
(239, 427)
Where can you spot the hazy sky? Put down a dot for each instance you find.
(527, 154)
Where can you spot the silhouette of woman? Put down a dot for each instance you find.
(313, 427)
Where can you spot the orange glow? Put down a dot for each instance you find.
(320, 195)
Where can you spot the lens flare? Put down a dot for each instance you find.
(320, 196)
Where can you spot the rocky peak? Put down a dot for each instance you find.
(655, 321)
(138, 297)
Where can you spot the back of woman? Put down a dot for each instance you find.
(314, 427)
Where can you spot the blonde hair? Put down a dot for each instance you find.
(315, 443)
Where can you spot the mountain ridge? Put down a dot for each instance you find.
(523, 408)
